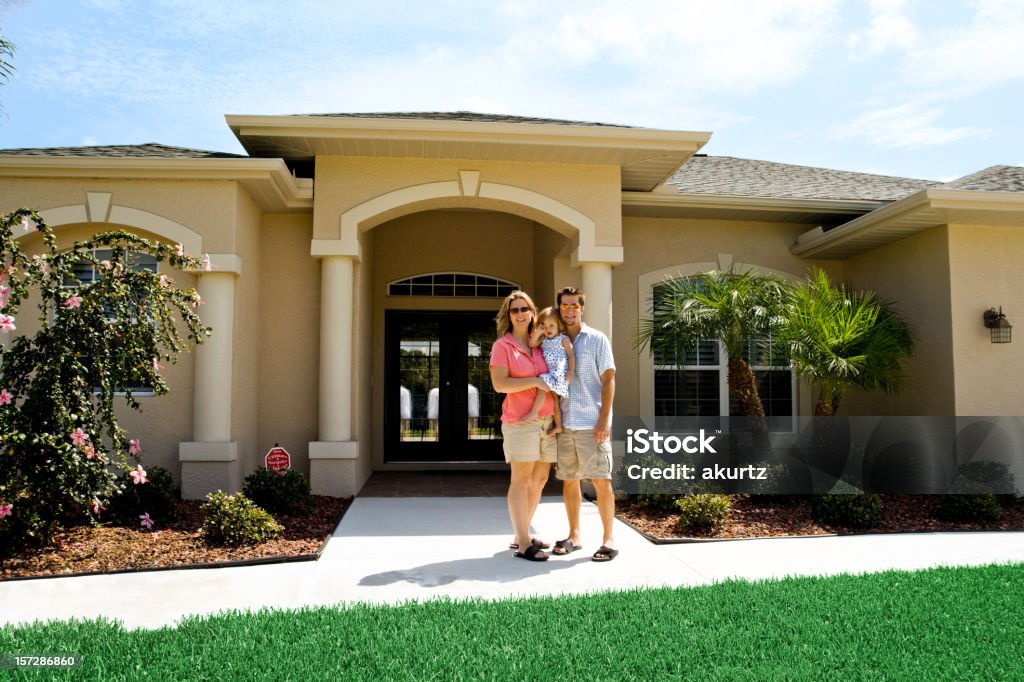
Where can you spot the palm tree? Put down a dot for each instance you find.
(736, 309)
(841, 339)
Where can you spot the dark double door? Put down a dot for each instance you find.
(439, 404)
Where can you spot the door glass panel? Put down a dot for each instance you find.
(483, 405)
(419, 367)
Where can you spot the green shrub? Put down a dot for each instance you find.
(703, 513)
(658, 501)
(985, 476)
(236, 520)
(979, 507)
(279, 492)
(862, 510)
(158, 498)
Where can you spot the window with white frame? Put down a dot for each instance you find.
(693, 382)
(86, 273)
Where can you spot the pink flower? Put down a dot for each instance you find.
(6, 397)
(138, 475)
(164, 281)
(197, 300)
(7, 323)
(5, 510)
(90, 452)
(179, 250)
(79, 437)
(134, 446)
(145, 521)
(73, 301)
(39, 261)
(105, 264)
(156, 365)
(5, 294)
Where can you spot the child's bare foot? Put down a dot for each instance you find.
(555, 428)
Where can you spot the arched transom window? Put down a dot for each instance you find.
(452, 284)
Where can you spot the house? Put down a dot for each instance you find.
(359, 260)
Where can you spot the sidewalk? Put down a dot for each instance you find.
(390, 550)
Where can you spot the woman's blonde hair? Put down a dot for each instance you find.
(552, 313)
(504, 322)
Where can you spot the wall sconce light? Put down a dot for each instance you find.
(998, 325)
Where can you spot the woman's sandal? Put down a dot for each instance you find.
(532, 553)
(536, 543)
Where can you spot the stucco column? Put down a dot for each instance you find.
(334, 465)
(597, 285)
(336, 296)
(212, 400)
(210, 461)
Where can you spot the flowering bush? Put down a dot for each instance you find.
(61, 449)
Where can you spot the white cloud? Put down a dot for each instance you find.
(984, 54)
(890, 29)
(911, 126)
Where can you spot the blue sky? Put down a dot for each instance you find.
(923, 89)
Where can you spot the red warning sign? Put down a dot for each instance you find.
(278, 459)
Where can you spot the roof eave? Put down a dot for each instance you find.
(920, 211)
(647, 156)
(269, 181)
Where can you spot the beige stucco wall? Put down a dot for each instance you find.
(209, 208)
(591, 190)
(654, 244)
(915, 274)
(986, 269)
(288, 335)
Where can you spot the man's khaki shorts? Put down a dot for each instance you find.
(528, 441)
(579, 456)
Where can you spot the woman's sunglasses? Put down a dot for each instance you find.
(516, 311)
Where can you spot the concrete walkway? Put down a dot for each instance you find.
(390, 550)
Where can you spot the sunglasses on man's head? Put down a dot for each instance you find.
(516, 311)
(570, 306)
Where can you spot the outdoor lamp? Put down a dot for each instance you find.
(998, 325)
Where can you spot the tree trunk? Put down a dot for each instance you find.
(743, 383)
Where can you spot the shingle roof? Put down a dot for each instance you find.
(726, 175)
(991, 179)
(123, 151)
(468, 116)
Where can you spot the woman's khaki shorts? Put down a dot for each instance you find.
(528, 441)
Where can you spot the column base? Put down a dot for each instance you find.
(206, 467)
(335, 469)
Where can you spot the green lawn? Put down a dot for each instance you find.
(957, 624)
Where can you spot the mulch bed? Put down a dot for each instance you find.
(104, 549)
(754, 517)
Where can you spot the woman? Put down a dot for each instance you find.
(529, 451)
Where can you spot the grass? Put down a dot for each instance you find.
(944, 623)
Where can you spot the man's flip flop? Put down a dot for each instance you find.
(604, 553)
(532, 553)
(536, 543)
(566, 546)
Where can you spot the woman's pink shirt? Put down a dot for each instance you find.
(506, 353)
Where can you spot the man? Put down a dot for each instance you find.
(584, 446)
